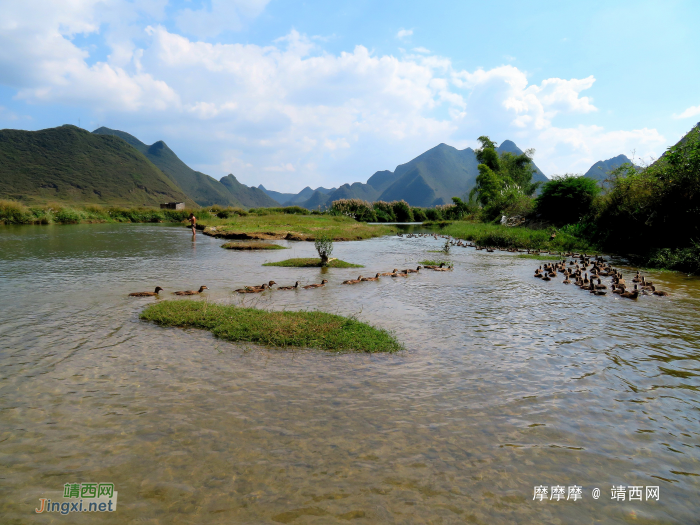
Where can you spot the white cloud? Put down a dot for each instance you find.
(224, 15)
(404, 33)
(692, 111)
(290, 113)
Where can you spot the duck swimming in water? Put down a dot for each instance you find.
(322, 283)
(253, 289)
(192, 292)
(296, 285)
(375, 278)
(355, 281)
(147, 294)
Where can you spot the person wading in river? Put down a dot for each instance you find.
(193, 223)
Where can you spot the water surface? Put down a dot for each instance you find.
(506, 383)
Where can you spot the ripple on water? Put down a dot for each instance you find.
(507, 382)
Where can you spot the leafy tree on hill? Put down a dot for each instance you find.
(504, 183)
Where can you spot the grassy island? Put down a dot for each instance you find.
(312, 262)
(292, 227)
(279, 329)
(254, 245)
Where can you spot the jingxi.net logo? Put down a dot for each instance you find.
(81, 497)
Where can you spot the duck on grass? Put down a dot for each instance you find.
(278, 329)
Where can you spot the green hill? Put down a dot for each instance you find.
(248, 196)
(203, 189)
(600, 170)
(69, 164)
(433, 177)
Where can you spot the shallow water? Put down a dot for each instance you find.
(507, 382)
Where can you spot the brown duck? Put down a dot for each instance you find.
(322, 283)
(192, 292)
(296, 285)
(147, 294)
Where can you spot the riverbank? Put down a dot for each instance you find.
(498, 236)
(313, 329)
(12, 212)
(292, 227)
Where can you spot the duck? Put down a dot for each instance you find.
(296, 285)
(375, 278)
(599, 292)
(355, 281)
(414, 271)
(600, 286)
(566, 281)
(192, 292)
(657, 292)
(546, 278)
(147, 294)
(630, 295)
(322, 283)
(386, 273)
(253, 289)
(400, 274)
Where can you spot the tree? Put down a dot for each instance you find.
(324, 247)
(504, 182)
(567, 199)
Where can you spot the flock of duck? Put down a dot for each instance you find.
(269, 285)
(577, 269)
(575, 272)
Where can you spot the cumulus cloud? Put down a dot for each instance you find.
(289, 113)
(404, 33)
(223, 15)
(692, 111)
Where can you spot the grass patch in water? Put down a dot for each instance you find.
(259, 245)
(435, 263)
(279, 329)
(312, 262)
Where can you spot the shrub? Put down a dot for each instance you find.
(402, 211)
(385, 210)
(324, 247)
(419, 215)
(567, 199)
(356, 208)
(434, 214)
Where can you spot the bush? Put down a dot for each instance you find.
(385, 210)
(402, 211)
(419, 215)
(356, 208)
(324, 247)
(566, 200)
(434, 214)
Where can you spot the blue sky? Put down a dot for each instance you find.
(290, 94)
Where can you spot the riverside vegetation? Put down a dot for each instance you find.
(280, 329)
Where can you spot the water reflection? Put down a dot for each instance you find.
(507, 383)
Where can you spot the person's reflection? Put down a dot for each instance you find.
(194, 243)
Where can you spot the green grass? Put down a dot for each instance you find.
(430, 262)
(277, 329)
(255, 245)
(293, 227)
(518, 237)
(312, 262)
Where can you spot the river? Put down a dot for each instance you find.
(507, 383)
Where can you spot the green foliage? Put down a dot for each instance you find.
(504, 183)
(312, 262)
(419, 215)
(273, 328)
(324, 247)
(227, 212)
(679, 259)
(566, 200)
(384, 211)
(433, 214)
(657, 207)
(361, 211)
(289, 210)
(402, 211)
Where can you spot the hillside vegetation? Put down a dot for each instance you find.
(70, 165)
